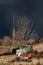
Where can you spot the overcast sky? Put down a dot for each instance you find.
(30, 8)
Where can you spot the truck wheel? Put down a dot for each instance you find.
(17, 59)
(25, 60)
(29, 59)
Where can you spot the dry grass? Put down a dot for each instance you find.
(4, 60)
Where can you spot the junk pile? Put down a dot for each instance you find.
(26, 53)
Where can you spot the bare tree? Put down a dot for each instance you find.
(25, 26)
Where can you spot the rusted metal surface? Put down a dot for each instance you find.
(26, 55)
